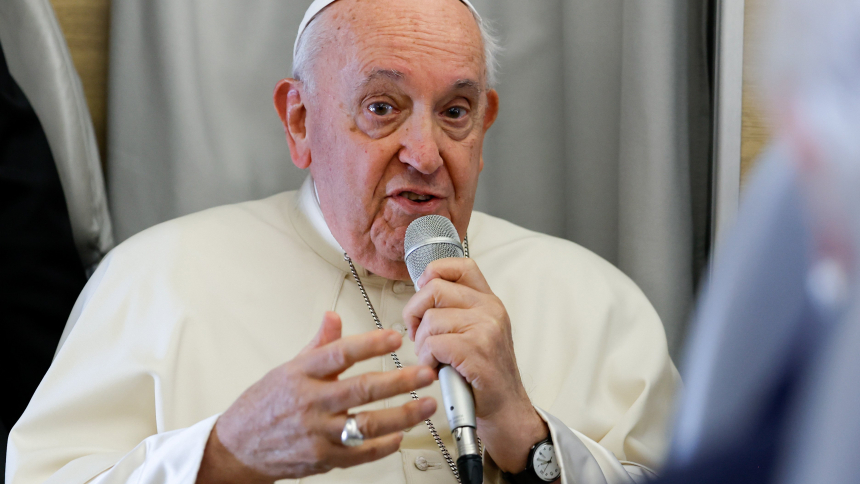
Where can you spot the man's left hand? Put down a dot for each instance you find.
(455, 319)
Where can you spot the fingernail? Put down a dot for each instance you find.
(425, 376)
(394, 339)
(428, 405)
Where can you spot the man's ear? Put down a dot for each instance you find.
(291, 109)
(489, 117)
(492, 109)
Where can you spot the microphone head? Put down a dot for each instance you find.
(429, 238)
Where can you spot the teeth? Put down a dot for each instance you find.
(416, 197)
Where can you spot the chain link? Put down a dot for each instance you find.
(433, 431)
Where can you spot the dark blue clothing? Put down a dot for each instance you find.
(755, 336)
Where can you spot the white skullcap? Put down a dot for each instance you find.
(318, 5)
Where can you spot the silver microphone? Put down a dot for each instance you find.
(427, 239)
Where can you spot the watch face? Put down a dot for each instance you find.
(545, 464)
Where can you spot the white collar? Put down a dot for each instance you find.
(317, 218)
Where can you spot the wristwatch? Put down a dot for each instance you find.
(541, 466)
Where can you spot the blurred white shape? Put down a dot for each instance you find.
(827, 283)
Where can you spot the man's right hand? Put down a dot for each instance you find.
(288, 424)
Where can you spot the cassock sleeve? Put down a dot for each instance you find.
(640, 387)
(583, 460)
(94, 416)
(614, 429)
(604, 383)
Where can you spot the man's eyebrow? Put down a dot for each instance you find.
(468, 85)
(391, 74)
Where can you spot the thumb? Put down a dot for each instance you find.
(329, 331)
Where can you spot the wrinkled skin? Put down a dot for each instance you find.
(287, 425)
(399, 105)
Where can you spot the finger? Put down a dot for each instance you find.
(335, 357)
(438, 293)
(369, 451)
(455, 269)
(371, 387)
(330, 330)
(448, 349)
(379, 423)
(441, 321)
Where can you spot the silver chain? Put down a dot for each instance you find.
(433, 431)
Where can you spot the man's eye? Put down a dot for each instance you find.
(381, 109)
(456, 112)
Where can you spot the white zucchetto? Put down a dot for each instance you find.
(318, 5)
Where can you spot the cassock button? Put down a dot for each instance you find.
(399, 328)
(400, 287)
(422, 464)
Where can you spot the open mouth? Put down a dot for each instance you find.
(416, 197)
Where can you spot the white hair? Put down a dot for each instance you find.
(313, 39)
(811, 66)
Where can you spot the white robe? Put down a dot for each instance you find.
(179, 320)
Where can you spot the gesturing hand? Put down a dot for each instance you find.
(288, 424)
(456, 319)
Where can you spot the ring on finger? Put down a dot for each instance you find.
(351, 436)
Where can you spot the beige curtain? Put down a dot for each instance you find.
(603, 135)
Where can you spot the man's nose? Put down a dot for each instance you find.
(420, 147)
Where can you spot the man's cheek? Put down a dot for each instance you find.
(387, 239)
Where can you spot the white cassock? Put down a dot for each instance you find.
(179, 320)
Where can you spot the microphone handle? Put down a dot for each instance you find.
(460, 409)
(458, 398)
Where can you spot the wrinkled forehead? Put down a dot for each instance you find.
(319, 5)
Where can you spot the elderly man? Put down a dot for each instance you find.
(166, 373)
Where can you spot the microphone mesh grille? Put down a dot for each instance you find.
(423, 229)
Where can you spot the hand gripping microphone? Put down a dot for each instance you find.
(429, 238)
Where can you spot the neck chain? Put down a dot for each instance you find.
(433, 431)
